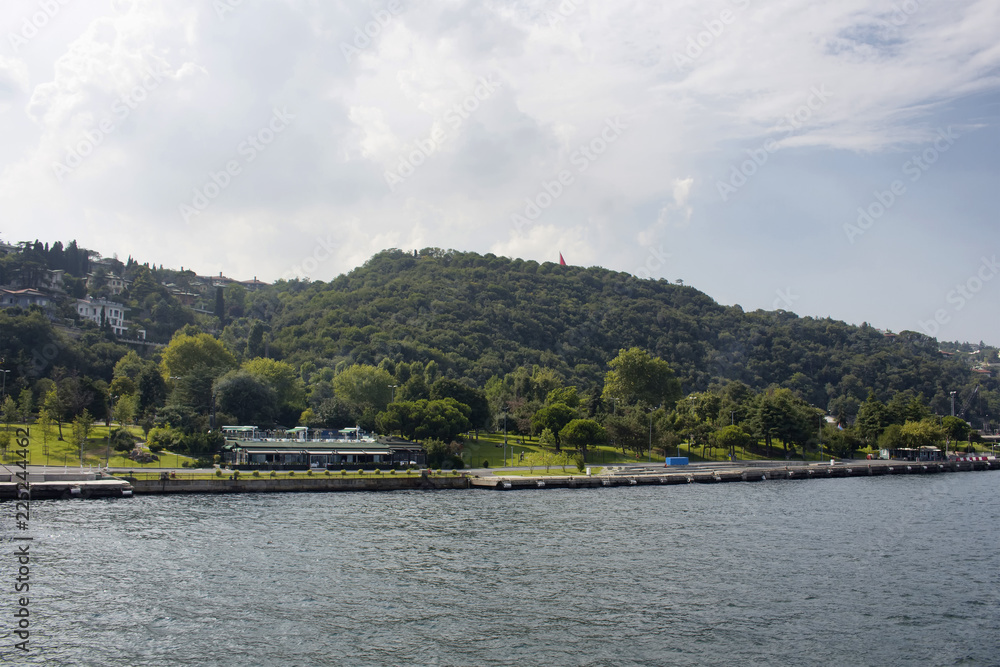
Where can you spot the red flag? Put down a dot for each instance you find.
(562, 262)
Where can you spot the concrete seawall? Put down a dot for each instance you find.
(298, 484)
(756, 473)
(44, 486)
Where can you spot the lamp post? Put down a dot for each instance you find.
(650, 449)
(3, 391)
(505, 437)
(820, 437)
(392, 395)
(211, 416)
(107, 448)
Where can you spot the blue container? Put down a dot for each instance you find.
(677, 460)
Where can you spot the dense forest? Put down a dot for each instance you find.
(433, 343)
(482, 316)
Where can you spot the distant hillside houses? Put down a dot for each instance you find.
(201, 285)
(101, 311)
(23, 298)
(115, 283)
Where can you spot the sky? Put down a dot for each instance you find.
(830, 159)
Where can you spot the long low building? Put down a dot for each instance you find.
(247, 448)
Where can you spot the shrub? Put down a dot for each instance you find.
(185, 464)
(122, 440)
(327, 473)
(486, 464)
(580, 465)
(256, 473)
(438, 471)
(218, 472)
(291, 473)
(343, 471)
(361, 471)
(309, 472)
(392, 472)
(377, 471)
(273, 474)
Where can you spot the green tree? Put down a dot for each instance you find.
(283, 379)
(443, 419)
(475, 398)
(248, 398)
(186, 352)
(255, 340)
(565, 395)
(125, 409)
(25, 406)
(54, 407)
(955, 429)
(82, 426)
(364, 387)
(635, 376)
(9, 409)
(923, 433)
(553, 417)
(582, 433)
(871, 420)
(45, 423)
(730, 437)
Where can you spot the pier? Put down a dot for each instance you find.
(747, 471)
(47, 485)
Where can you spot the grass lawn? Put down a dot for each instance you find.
(552, 472)
(47, 449)
(489, 447)
(226, 474)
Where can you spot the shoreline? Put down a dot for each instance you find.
(83, 486)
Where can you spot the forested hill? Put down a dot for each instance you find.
(477, 316)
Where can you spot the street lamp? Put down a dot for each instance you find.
(3, 391)
(650, 450)
(392, 398)
(505, 437)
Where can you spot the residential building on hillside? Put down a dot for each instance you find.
(114, 282)
(95, 310)
(23, 298)
(253, 285)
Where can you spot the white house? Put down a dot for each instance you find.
(95, 309)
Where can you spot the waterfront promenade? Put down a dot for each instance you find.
(119, 484)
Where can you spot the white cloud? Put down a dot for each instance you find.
(892, 80)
